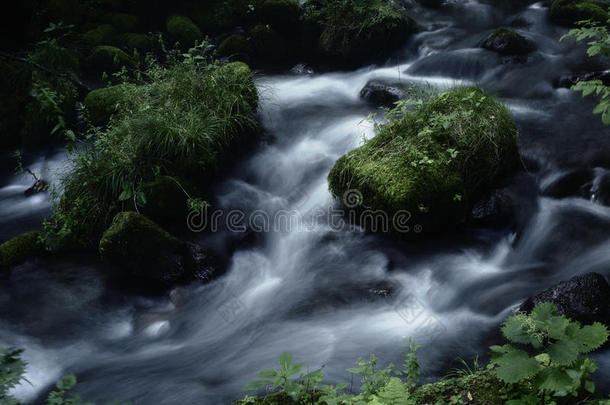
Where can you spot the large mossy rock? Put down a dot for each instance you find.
(355, 34)
(144, 251)
(104, 34)
(103, 103)
(183, 30)
(134, 41)
(508, 43)
(433, 161)
(21, 248)
(215, 16)
(568, 12)
(139, 246)
(105, 58)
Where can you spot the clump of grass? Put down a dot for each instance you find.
(181, 122)
(354, 29)
(434, 159)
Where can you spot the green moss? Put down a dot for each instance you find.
(141, 42)
(239, 72)
(235, 47)
(102, 35)
(21, 248)
(508, 42)
(356, 30)
(122, 21)
(568, 12)
(167, 199)
(432, 161)
(108, 58)
(137, 245)
(282, 15)
(102, 103)
(481, 388)
(183, 30)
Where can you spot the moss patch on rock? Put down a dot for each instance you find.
(568, 12)
(215, 16)
(138, 245)
(102, 103)
(109, 59)
(481, 388)
(432, 161)
(235, 47)
(183, 30)
(21, 248)
(508, 42)
(104, 34)
(356, 30)
(141, 42)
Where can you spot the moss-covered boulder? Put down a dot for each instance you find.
(141, 42)
(139, 246)
(102, 103)
(235, 47)
(356, 34)
(104, 34)
(21, 248)
(508, 43)
(105, 58)
(432, 161)
(183, 30)
(240, 72)
(568, 12)
(480, 388)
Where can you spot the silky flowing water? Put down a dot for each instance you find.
(326, 294)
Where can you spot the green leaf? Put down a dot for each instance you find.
(544, 312)
(514, 329)
(591, 337)
(256, 385)
(269, 373)
(563, 352)
(556, 327)
(516, 366)
(125, 195)
(554, 380)
(590, 386)
(295, 369)
(67, 382)
(284, 360)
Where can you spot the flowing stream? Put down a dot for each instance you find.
(326, 295)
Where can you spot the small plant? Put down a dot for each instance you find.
(556, 368)
(598, 42)
(12, 370)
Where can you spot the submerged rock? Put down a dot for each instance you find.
(381, 94)
(508, 43)
(585, 298)
(20, 249)
(145, 251)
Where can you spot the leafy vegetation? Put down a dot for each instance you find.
(554, 374)
(598, 42)
(356, 29)
(180, 121)
(432, 159)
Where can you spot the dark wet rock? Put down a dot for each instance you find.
(568, 184)
(599, 190)
(144, 251)
(38, 187)
(301, 69)
(381, 94)
(512, 205)
(585, 298)
(507, 42)
(568, 81)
